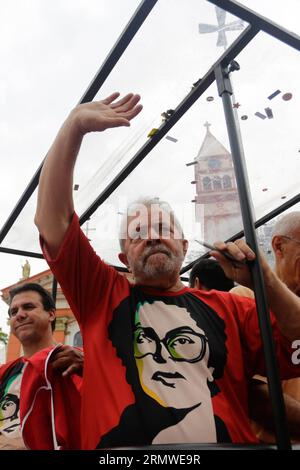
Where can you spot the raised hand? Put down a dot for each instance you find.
(97, 116)
(56, 207)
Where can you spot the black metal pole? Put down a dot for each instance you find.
(225, 92)
(28, 254)
(130, 30)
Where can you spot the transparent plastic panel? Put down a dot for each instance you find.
(175, 47)
(49, 53)
(176, 171)
(268, 103)
(285, 14)
(24, 235)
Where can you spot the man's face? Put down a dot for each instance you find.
(153, 248)
(29, 321)
(171, 360)
(288, 260)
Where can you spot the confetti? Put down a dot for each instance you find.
(277, 92)
(172, 139)
(287, 96)
(260, 115)
(269, 113)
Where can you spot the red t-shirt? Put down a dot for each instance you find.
(160, 367)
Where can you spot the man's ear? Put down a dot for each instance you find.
(197, 284)
(185, 246)
(52, 315)
(124, 260)
(277, 245)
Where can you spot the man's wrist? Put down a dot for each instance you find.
(72, 126)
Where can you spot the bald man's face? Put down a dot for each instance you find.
(287, 254)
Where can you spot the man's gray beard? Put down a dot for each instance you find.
(170, 265)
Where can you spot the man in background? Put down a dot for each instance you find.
(39, 399)
(207, 274)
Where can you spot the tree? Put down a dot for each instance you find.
(3, 337)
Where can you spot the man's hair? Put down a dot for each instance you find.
(211, 275)
(47, 299)
(287, 224)
(146, 202)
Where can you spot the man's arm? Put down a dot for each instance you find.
(283, 302)
(260, 409)
(55, 196)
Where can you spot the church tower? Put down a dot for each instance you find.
(216, 202)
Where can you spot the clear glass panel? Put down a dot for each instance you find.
(268, 109)
(174, 171)
(49, 53)
(168, 55)
(285, 14)
(24, 234)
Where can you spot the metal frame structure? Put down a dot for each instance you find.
(219, 72)
(260, 22)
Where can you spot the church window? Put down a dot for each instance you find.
(206, 183)
(217, 184)
(227, 182)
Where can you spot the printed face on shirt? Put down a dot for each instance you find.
(29, 321)
(153, 246)
(171, 355)
(9, 407)
(10, 402)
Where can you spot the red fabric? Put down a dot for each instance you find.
(35, 404)
(94, 290)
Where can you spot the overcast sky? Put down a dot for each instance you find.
(50, 51)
